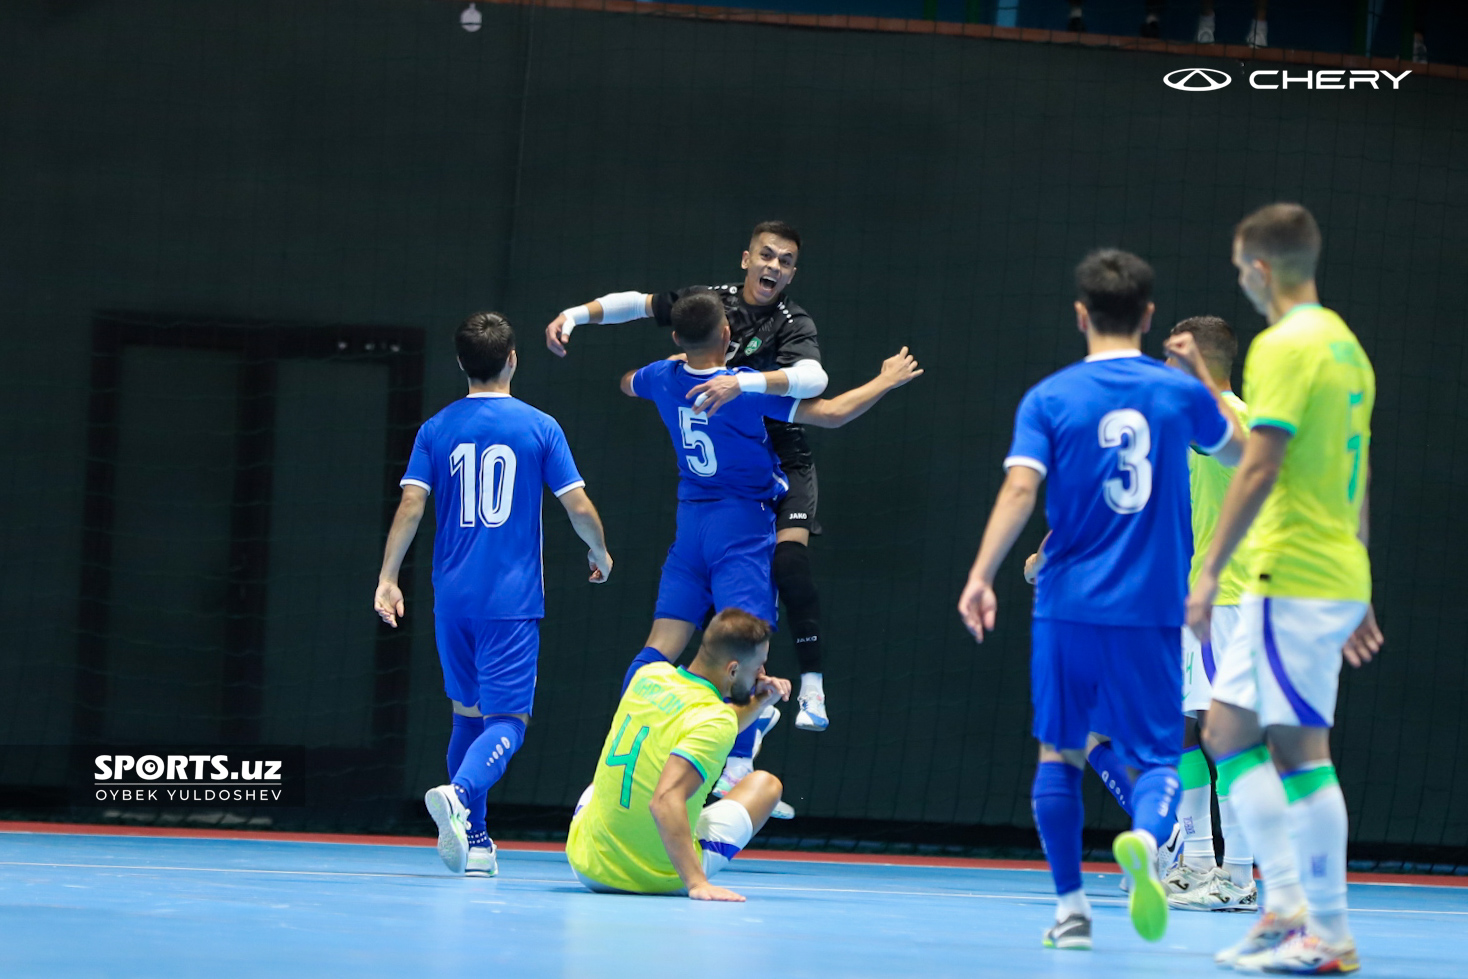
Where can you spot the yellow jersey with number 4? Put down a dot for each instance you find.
(1208, 479)
(1308, 375)
(665, 712)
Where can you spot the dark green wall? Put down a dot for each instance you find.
(370, 162)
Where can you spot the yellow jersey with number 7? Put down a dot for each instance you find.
(665, 712)
(1308, 375)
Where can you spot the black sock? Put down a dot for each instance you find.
(802, 603)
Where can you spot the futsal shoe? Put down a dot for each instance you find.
(1074, 932)
(453, 826)
(736, 768)
(1169, 853)
(1303, 954)
(1269, 931)
(483, 861)
(1147, 904)
(1182, 879)
(812, 716)
(1217, 892)
(782, 810)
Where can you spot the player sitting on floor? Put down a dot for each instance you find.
(730, 482)
(641, 827)
(1112, 435)
(488, 455)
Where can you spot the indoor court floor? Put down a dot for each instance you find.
(91, 904)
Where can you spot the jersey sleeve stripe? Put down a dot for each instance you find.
(415, 482)
(1228, 434)
(692, 761)
(793, 409)
(1028, 463)
(569, 487)
(1272, 423)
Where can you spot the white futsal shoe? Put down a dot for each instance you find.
(1303, 954)
(1189, 889)
(1268, 932)
(452, 820)
(483, 861)
(812, 716)
(1170, 852)
(736, 768)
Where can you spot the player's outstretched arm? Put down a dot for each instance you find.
(897, 370)
(669, 808)
(978, 606)
(587, 523)
(614, 307)
(802, 379)
(389, 599)
(1255, 477)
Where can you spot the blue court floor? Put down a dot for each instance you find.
(115, 907)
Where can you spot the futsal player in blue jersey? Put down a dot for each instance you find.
(487, 456)
(1111, 434)
(729, 481)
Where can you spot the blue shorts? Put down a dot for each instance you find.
(1124, 682)
(489, 663)
(720, 559)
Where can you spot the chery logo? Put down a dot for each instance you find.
(1197, 79)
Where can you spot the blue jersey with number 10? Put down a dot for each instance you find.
(723, 456)
(485, 458)
(1111, 436)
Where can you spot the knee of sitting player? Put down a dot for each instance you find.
(765, 787)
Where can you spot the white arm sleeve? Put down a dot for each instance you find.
(616, 307)
(807, 378)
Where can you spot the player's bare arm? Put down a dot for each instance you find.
(978, 605)
(803, 379)
(897, 370)
(767, 690)
(587, 524)
(1363, 645)
(616, 307)
(1255, 477)
(1183, 349)
(389, 599)
(669, 808)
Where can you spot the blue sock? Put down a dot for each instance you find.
(1112, 769)
(1155, 798)
(1059, 813)
(648, 655)
(466, 730)
(485, 763)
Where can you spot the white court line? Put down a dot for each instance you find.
(971, 895)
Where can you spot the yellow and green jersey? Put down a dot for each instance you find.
(1308, 375)
(1208, 478)
(666, 711)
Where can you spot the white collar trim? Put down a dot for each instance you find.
(703, 371)
(1113, 355)
(487, 394)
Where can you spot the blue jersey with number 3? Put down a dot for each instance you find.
(485, 459)
(1111, 435)
(723, 456)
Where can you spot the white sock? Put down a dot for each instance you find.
(1317, 817)
(1073, 903)
(1195, 813)
(1238, 859)
(1076, 9)
(1259, 802)
(1206, 22)
(812, 684)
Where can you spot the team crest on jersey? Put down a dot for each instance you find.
(752, 346)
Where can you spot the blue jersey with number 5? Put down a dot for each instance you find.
(1111, 437)
(723, 456)
(485, 459)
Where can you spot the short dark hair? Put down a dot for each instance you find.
(1115, 287)
(696, 317)
(1215, 340)
(483, 343)
(734, 634)
(779, 229)
(1287, 237)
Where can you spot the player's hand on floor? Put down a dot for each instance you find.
(601, 567)
(714, 393)
(1183, 353)
(1363, 645)
(712, 892)
(900, 368)
(978, 606)
(389, 602)
(555, 338)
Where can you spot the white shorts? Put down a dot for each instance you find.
(724, 828)
(1287, 666)
(1200, 662)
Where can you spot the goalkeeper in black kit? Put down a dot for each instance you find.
(777, 338)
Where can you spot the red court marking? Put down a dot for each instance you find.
(793, 856)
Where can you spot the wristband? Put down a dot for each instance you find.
(574, 317)
(752, 382)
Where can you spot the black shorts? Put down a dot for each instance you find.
(798, 508)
